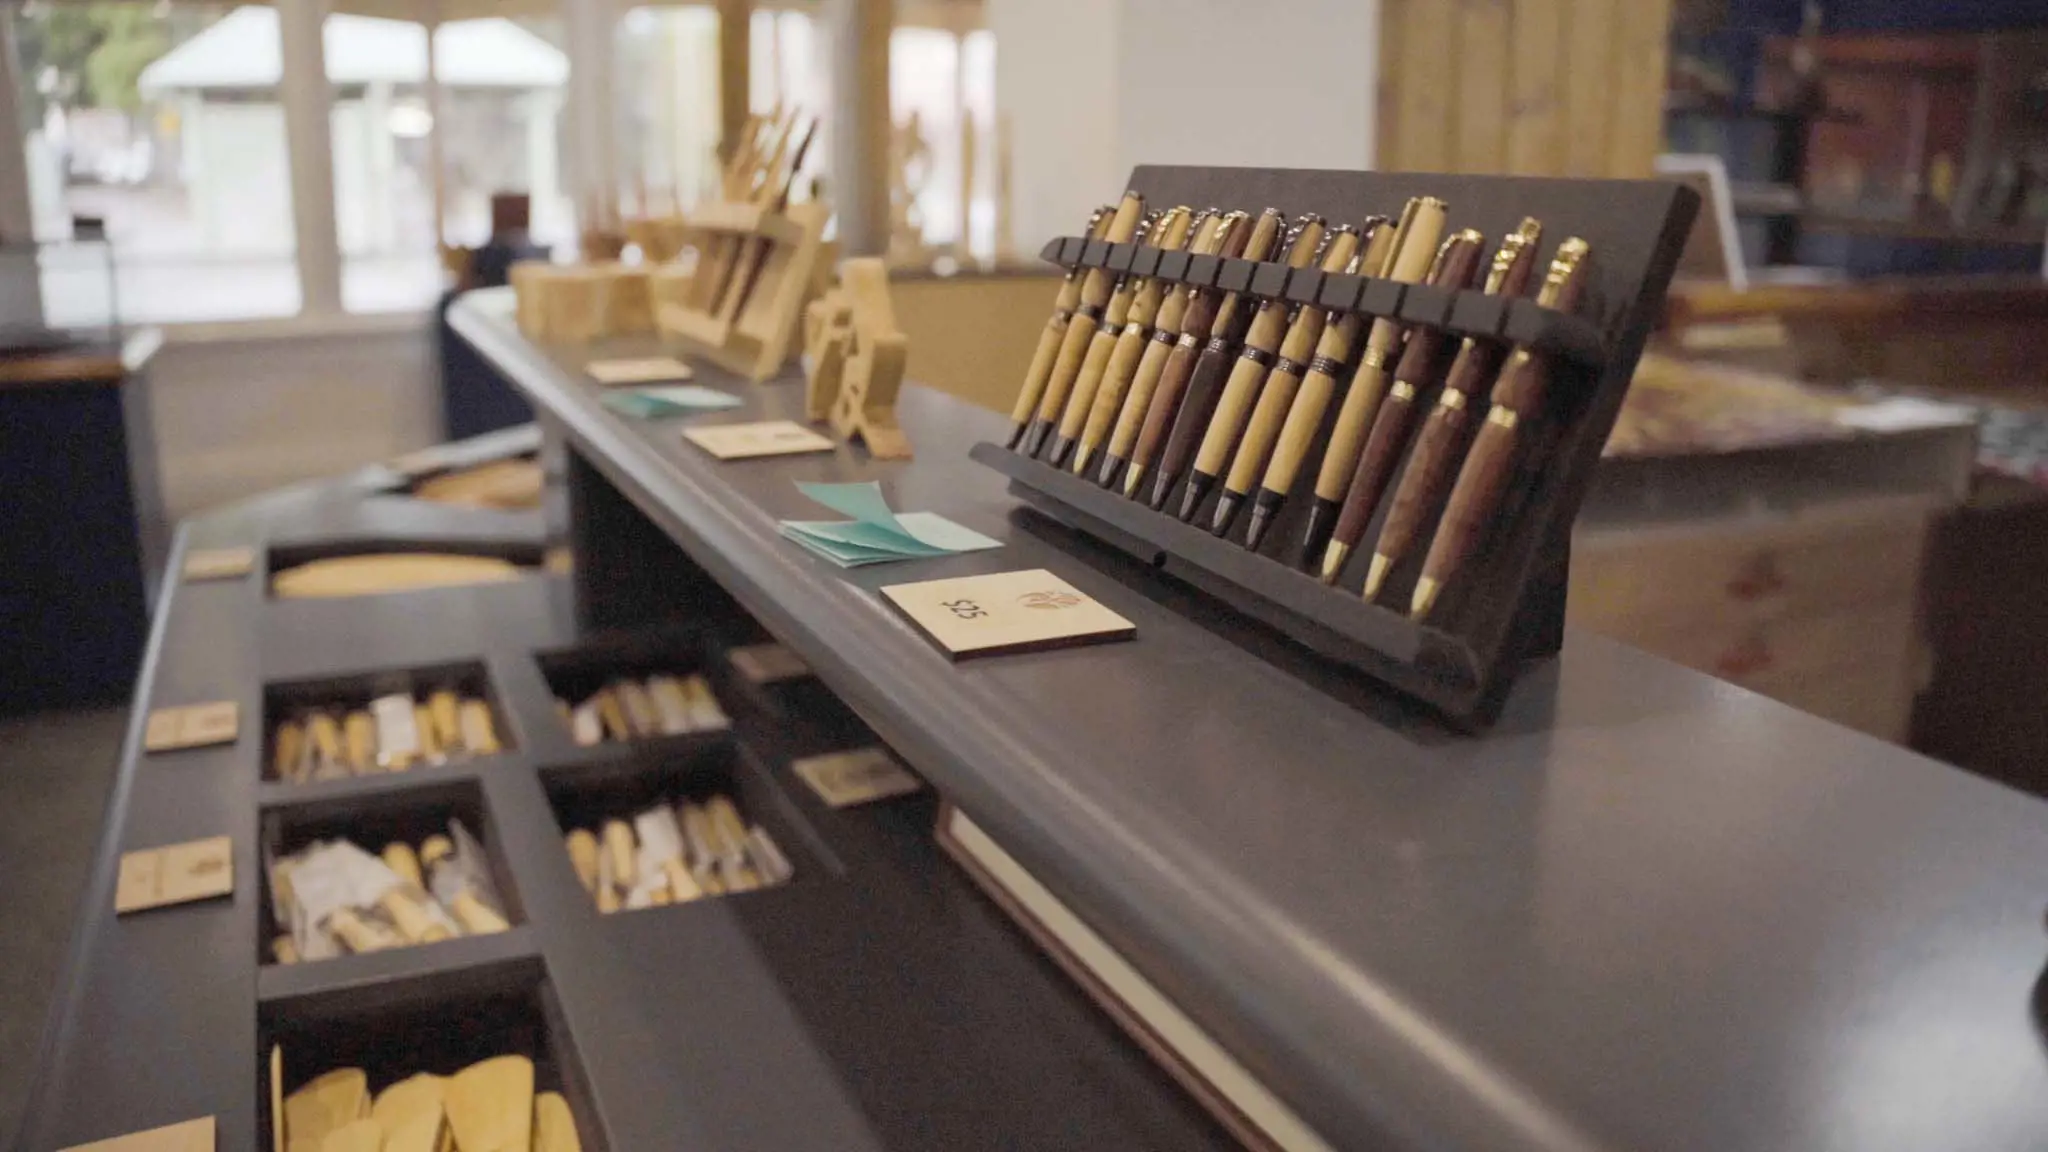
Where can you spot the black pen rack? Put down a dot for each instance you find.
(1506, 606)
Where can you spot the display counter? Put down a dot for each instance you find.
(1645, 909)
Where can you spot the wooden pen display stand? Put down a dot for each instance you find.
(1506, 606)
(761, 266)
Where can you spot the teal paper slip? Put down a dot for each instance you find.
(876, 534)
(672, 400)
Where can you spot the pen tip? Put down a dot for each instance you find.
(1035, 438)
(1377, 575)
(1321, 518)
(1016, 435)
(1081, 459)
(1061, 445)
(1134, 479)
(1226, 511)
(1161, 489)
(1425, 598)
(1191, 499)
(1333, 561)
(1257, 529)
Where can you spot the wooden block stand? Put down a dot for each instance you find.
(764, 335)
(1506, 608)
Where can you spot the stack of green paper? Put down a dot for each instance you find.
(876, 535)
(670, 400)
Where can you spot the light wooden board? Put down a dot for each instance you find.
(175, 874)
(182, 726)
(766, 438)
(1006, 612)
(188, 1136)
(857, 776)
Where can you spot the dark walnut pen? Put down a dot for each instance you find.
(1224, 236)
(1438, 444)
(1519, 396)
(1421, 227)
(1266, 406)
(1210, 310)
(1390, 426)
(1052, 337)
(1095, 292)
(1227, 377)
(1169, 231)
(1308, 403)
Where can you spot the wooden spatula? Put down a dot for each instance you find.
(355, 1136)
(324, 1104)
(490, 1105)
(554, 1129)
(419, 1132)
(410, 1097)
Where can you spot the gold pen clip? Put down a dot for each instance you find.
(1527, 233)
(1564, 271)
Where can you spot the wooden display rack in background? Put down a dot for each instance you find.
(763, 335)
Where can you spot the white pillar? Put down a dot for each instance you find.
(859, 184)
(307, 96)
(593, 168)
(437, 144)
(17, 210)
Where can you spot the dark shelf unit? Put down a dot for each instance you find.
(1573, 931)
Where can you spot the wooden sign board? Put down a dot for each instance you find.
(192, 726)
(189, 1136)
(767, 438)
(219, 563)
(1006, 612)
(640, 370)
(175, 874)
(858, 776)
(767, 663)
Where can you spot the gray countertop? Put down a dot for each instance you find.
(1646, 910)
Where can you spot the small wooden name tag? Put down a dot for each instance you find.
(175, 874)
(768, 438)
(768, 663)
(192, 726)
(1006, 612)
(190, 1136)
(644, 370)
(858, 776)
(219, 563)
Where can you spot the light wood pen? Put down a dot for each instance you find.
(1227, 234)
(1273, 395)
(1131, 343)
(1049, 340)
(1390, 426)
(1420, 232)
(1168, 230)
(1341, 331)
(1439, 444)
(1212, 310)
(1519, 396)
(1096, 288)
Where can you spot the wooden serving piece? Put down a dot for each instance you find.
(856, 364)
(490, 1105)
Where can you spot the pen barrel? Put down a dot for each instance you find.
(1354, 419)
(1173, 382)
(1124, 358)
(1092, 369)
(1262, 431)
(1376, 464)
(1049, 342)
(1073, 350)
(1233, 407)
(1130, 420)
(1474, 500)
(1197, 405)
(1422, 482)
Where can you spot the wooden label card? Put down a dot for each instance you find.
(768, 663)
(190, 1136)
(175, 874)
(767, 438)
(219, 563)
(642, 370)
(192, 726)
(1007, 612)
(859, 776)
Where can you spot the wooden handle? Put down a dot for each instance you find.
(412, 921)
(445, 708)
(1137, 403)
(1233, 408)
(1263, 430)
(1049, 342)
(1166, 398)
(582, 848)
(1476, 495)
(1124, 358)
(1198, 405)
(1376, 464)
(359, 735)
(1093, 369)
(1354, 418)
(1305, 415)
(479, 729)
(1073, 350)
(619, 847)
(476, 917)
(398, 856)
(1422, 482)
